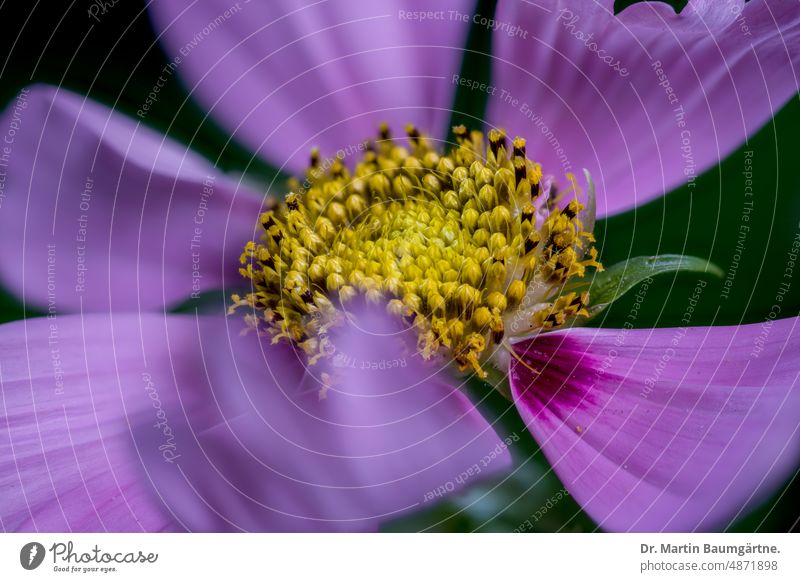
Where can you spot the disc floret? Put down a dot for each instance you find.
(466, 247)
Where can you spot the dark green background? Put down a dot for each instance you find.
(116, 61)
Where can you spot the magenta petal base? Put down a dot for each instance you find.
(668, 429)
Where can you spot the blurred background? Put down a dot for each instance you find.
(115, 63)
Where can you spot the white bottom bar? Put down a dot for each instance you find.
(390, 557)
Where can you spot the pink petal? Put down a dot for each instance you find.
(285, 76)
(131, 423)
(98, 211)
(729, 65)
(391, 436)
(72, 389)
(667, 429)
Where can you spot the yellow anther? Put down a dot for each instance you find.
(412, 132)
(388, 166)
(496, 141)
(432, 185)
(497, 242)
(529, 267)
(487, 197)
(484, 177)
(424, 262)
(380, 185)
(481, 317)
(450, 200)
(475, 167)
(413, 166)
(520, 171)
(472, 273)
(469, 218)
(468, 354)
(392, 285)
(436, 303)
(396, 308)
(337, 213)
(445, 167)
(403, 187)
(516, 292)
(450, 275)
(412, 301)
(459, 173)
(481, 255)
(334, 281)
(519, 146)
(314, 157)
(468, 298)
(430, 160)
(347, 293)
(497, 300)
(501, 219)
(480, 237)
(532, 241)
(496, 275)
(466, 190)
(356, 205)
(504, 184)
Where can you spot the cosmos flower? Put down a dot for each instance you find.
(390, 272)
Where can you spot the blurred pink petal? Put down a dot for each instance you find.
(101, 212)
(645, 100)
(391, 436)
(72, 389)
(285, 76)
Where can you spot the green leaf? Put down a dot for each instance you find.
(469, 106)
(609, 285)
(677, 5)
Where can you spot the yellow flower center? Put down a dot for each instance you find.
(467, 248)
